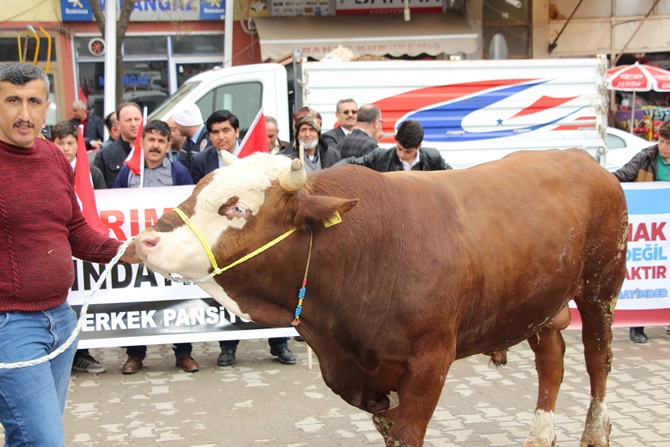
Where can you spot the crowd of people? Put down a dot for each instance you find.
(47, 230)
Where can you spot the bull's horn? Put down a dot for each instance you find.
(292, 179)
(227, 158)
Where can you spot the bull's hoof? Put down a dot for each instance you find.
(537, 442)
(590, 441)
(382, 424)
(597, 432)
(393, 442)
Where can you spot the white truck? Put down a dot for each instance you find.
(472, 111)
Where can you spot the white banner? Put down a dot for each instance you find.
(136, 306)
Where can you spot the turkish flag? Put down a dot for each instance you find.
(135, 159)
(83, 187)
(256, 139)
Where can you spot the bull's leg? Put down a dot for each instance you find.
(549, 347)
(597, 338)
(418, 393)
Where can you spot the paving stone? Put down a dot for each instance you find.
(260, 402)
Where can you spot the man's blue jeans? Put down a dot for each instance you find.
(32, 399)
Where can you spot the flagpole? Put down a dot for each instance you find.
(144, 123)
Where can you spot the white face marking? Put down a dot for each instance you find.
(180, 251)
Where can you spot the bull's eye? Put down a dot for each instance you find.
(234, 210)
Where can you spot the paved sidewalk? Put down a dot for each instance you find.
(260, 402)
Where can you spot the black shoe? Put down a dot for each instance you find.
(667, 330)
(637, 335)
(298, 338)
(226, 358)
(284, 355)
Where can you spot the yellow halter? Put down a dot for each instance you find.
(216, 269)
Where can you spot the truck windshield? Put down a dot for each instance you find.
(167, 105)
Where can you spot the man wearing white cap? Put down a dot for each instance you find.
(190, 124)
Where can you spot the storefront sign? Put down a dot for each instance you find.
(150, 10)
(385, 6)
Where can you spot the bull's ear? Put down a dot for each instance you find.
(322, 209)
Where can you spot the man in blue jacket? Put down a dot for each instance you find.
(159, 170)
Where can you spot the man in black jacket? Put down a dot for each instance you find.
(110, 160)
(408, 155)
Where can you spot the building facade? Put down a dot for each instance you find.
(167, 41)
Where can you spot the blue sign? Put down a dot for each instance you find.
(212, 9)
(76, 11)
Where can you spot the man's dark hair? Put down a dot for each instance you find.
(368, 113)
(157, 126)
(21, 73)
(123, 105)
(109, 123)
(410, 134)
(221, 116)
(664, 130)
(62, 129)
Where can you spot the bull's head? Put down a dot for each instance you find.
(235, 209)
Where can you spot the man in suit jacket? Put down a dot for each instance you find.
(345, 112)
(224, 131)
(365, 136)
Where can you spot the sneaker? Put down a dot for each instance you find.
(86, 363)
(637, 335)
(667, 330)
(226, 358)
(284, 355)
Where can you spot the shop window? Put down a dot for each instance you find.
(186, 71)
(143, 82)
(9, 49)
(511, 20)
(145, 45)
(203, 44)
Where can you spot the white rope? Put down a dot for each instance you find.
(82, 315)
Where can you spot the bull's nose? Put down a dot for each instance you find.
(147, 242)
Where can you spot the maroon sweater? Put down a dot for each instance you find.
(41, 228)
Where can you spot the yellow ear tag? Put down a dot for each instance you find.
(334, 220)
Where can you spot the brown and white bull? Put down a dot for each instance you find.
(424, 268)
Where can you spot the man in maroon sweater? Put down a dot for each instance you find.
(41, 228)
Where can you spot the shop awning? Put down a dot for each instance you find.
(366, 35)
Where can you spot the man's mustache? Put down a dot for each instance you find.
(22, 123)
